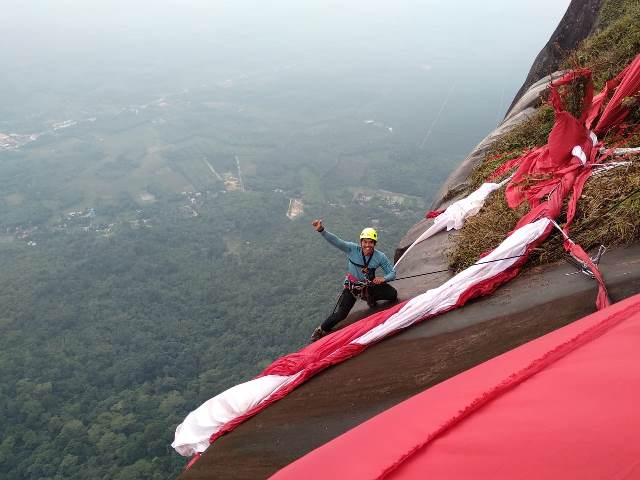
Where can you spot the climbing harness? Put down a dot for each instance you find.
(359, 290)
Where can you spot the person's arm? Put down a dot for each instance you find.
(331, 238)
(387, 268)
(337, 241)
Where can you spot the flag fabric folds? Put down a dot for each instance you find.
(561, 406)
(224, 412)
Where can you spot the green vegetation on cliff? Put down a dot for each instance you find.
(615, 42)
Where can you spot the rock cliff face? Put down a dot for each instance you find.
(538, 301)
(576, 25)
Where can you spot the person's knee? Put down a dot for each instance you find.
(386, 292)
(394, 294)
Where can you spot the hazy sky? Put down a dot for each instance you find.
(415, 49)
(281, 27)
(280, 30)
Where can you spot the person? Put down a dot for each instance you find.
(361, 279)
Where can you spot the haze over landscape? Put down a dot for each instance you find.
(160, 163)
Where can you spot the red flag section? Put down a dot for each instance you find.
(546, 175)
(562, 406)
(628, 85)
(433, 213)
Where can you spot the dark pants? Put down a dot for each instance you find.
(384, 291)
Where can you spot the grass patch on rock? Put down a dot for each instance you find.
(484, 231)
(608, 214)
(615, 44)
(609, 209)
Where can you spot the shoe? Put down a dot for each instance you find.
(317, 334)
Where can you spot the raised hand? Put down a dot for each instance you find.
(317, 224)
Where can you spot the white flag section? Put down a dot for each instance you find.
(456, 213)
(192, 436)
(446, 295)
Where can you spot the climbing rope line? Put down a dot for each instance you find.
(437, 117)
(446, 270)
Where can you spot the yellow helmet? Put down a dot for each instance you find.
(369, 233)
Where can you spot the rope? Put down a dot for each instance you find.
(437, 117)
(446, 270)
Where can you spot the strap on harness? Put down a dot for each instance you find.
(369, 273)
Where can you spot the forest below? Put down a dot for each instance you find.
(107, 341)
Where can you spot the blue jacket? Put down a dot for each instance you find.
(354, 258)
